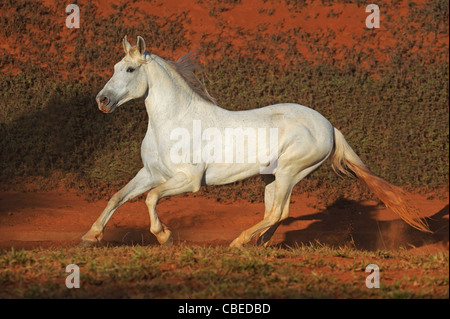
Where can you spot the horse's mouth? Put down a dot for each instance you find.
(108, 108)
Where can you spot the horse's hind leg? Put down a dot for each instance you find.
(178, 184)
(269, 192)
(141, 183)
(266, 233)
(281, 190)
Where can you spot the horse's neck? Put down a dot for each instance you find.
(169, 99)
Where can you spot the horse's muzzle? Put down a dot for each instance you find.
(104, 103)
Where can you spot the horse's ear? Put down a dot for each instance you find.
(140, 45)
(126, 45)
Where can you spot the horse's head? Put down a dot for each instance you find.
(128, 81)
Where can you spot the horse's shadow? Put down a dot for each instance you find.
(347, 222)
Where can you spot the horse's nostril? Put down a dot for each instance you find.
(104, 100)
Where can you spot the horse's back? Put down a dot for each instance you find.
(290, 119)
(284, 113)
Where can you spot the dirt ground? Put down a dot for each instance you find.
(60, 217)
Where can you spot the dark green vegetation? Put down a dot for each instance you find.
(391, 102)
(311, 271)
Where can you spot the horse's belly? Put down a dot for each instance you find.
(224, 173)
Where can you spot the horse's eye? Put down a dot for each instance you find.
(130, 69)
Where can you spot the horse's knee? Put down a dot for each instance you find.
(151, 199)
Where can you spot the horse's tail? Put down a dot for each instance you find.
(345, 161)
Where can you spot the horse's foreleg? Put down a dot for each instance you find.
(178, 184)
(141, 183)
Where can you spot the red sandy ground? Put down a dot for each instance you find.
(60, 217)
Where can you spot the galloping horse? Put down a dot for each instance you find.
(176, 100)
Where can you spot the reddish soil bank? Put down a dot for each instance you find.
(59, 218)
(321, 32)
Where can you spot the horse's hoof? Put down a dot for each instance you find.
(168, 243)
(165, 237)
(236, 244)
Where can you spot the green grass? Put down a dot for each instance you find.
(309, 271)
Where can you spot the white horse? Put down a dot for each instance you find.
(175, 99)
